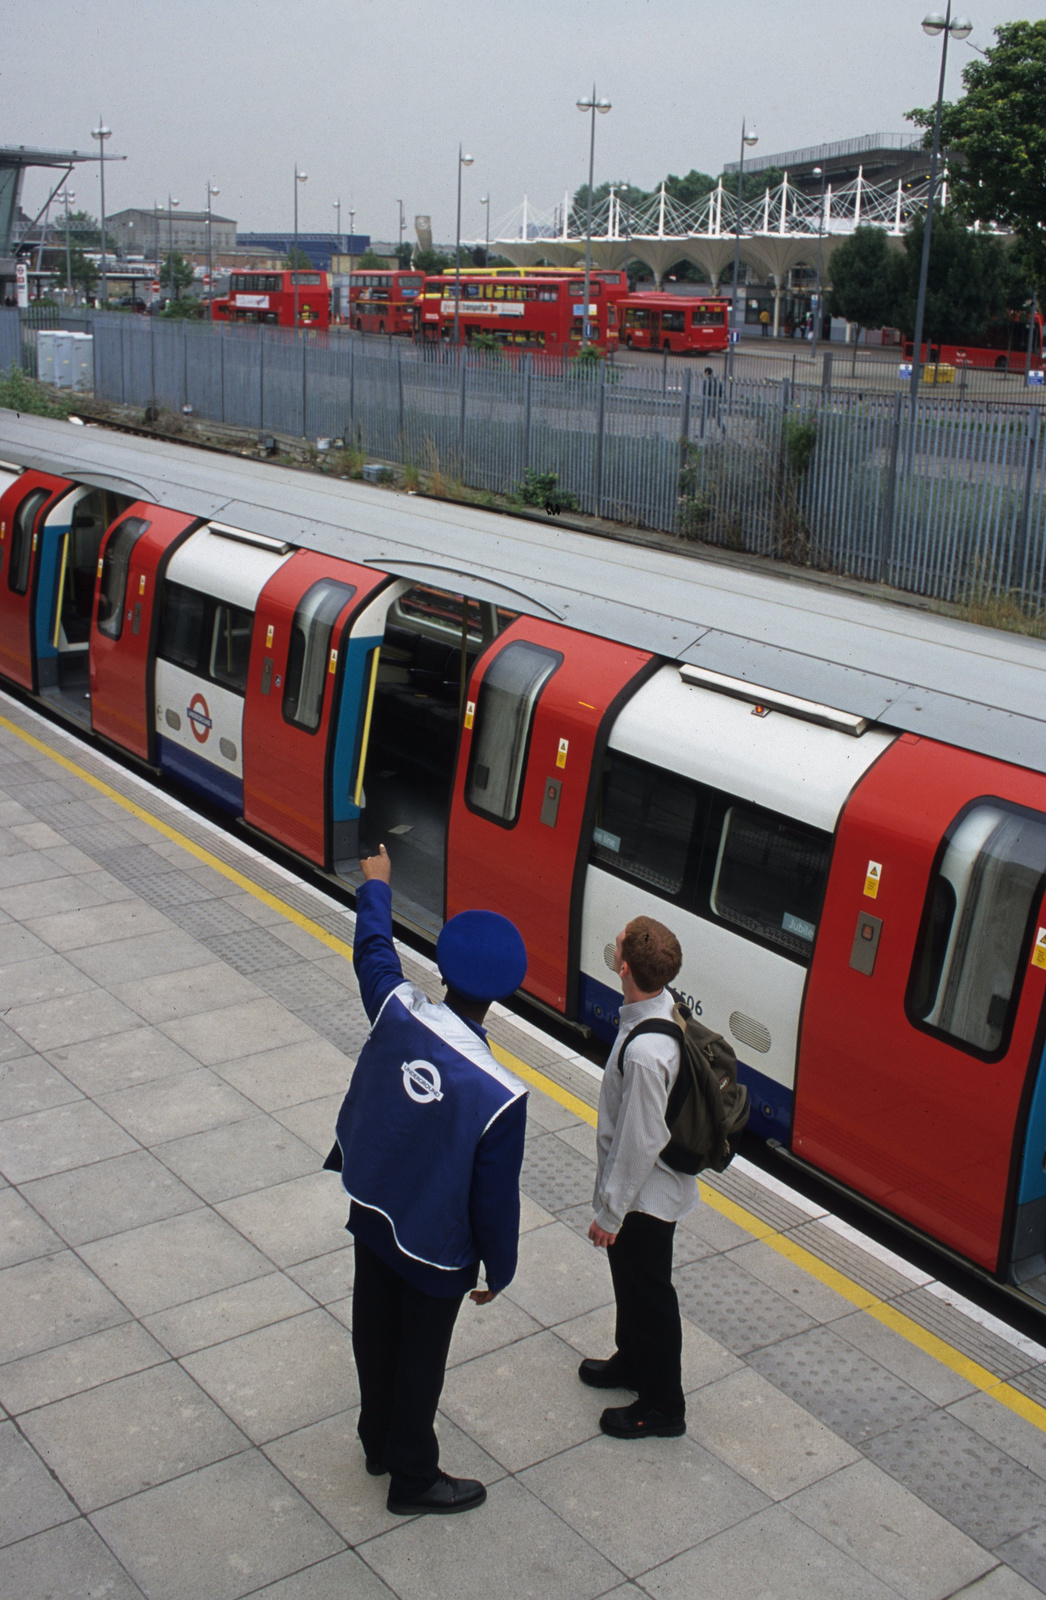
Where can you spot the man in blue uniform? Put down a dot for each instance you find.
(429, 1144)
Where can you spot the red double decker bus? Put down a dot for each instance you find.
(270, 298)
(653, 321)
(538, 313)
(383, 302)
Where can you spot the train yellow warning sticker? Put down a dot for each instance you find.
(141, 584)
(470, 712)
(1038, 955)
(561, 754)
(871, 879)
(270, 630)
(99, 566)
(332, 665)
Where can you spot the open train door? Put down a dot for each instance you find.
(540, 705)
(919, 1078)
(24, 503)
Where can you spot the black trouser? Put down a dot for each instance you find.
(400, 1339)
(649, 1332)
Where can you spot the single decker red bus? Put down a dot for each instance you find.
(684, 325)
(1003, 346)
(270, 298)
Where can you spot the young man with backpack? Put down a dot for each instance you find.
(639, 1198)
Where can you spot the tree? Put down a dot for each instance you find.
(183, 274)
(297, 261)
(83, 274)
(969, 282)
(85, 230)
(998, 129)
(370, 259)
(432, 262)
(866, 281)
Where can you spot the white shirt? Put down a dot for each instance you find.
(631, 1131)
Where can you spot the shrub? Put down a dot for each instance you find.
(542, 489)
(21, 393)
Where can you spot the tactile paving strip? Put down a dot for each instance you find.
(849, 1391)
(555, 1175)
(734, 1307)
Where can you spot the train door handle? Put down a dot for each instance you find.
(550, 804)
(266, 681)
(136, 620)
(866, 943)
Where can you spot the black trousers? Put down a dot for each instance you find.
(649, 1332)
(400, 1339)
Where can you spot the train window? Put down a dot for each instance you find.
(971, 952)
(309, 654)
(231, 646)
(441, 610)
(115, 566)
(22, 540)
(181, 626)
(770, 877)
(505, 709)
(645, 823)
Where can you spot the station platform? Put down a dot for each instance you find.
(178, 1019)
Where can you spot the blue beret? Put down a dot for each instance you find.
(481, 955)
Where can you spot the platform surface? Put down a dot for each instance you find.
(177, 1392)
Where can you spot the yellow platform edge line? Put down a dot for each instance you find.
(913, 1332)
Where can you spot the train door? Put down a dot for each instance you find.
(22, 509)
(203, 655)
(538, 707)
(921, 1037)
(131, 567)
(306, 704)
(69, 539)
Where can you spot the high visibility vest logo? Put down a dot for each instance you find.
(422, 1082)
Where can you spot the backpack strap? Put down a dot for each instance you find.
(651, 1025)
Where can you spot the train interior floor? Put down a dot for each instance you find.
(178, 1019)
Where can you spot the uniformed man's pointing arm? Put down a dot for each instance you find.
(374, 957)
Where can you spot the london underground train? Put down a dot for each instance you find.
(838, 803)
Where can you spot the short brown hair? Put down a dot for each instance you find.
(652, 952)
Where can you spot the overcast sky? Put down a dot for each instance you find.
(371, 98)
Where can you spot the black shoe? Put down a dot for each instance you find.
(445, 1495)
(605, 1374)
(640, 1422)
(375, 1468)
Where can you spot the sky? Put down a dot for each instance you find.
(371, 98)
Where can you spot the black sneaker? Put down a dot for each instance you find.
(641, 1422)
(445, 1496)
(610, 1374)
(375, 1468)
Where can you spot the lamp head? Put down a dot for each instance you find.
(751, 138)
(603, 106)
(213, 190)
(466, 161)
(101, 132)
(817, 172)
(302, 177)
(484, 199)
(934, 24)
(961, 28)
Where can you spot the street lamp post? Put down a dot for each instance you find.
(463, 161)
(170, 237)
(299, 177)
(403, 223)
(66, 196)
(485, 201)
(817, 317)
(749, 137)
(211, 190)
(591, 105)
(958, 29)
(101, 133)
(337, 222)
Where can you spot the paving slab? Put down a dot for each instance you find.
(79, 1364)
(523, 1403)
(239, 1157)
(336, 1578)
(290, 1075)
(840, 1384)
(108, 1197)
(293, 1222)
(49, 1300)
(44, 977)
(23, 1236)
(120, 1060)
(169, 1108)
(765, 1436)
(559, 1276)
(167, 1263)
(30, 1498)
(234, 1031)
(50, 1023)
(29, 1083)
(215, 1318)
(200, 989)
(66, 1563)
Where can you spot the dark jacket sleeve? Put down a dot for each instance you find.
(374, 957)
(494, 1201)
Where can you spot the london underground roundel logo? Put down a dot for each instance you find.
(422, 1082)
(199, 718)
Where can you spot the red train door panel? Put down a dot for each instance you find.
(924, 995)
(539, 702)
(131, 564)
(303, 668)
(22, 508)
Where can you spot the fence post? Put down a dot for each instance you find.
(526, 418)
(399, 384)
(890, 493)
(221, 365)
(1019, 567)
(152, 361)
(684, 426)
(601, 408)
(261, 381)
(185, 363)
(463, 364)
(304, 388)
(123, 367)
(826, 372)
(352, 387)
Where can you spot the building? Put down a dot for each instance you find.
(319, 247)
(879, 158)
(145, 231)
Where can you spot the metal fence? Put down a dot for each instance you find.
(949, 503)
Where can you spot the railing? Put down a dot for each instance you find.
(949, 503)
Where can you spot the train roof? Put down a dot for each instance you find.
(895, 665)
